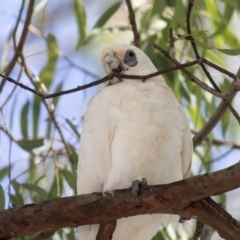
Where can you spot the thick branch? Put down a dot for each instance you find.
(103, 208)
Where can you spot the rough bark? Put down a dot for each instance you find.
(182, 197)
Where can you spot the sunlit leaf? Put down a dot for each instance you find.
(80, 15)
(34, 188)
(107, 15)
(2, 199)
(24, 119)
(29, 145)
(48, 71)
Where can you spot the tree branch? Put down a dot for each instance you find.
(225, 103)
(182, 197)
(132, 20)
(19, 48)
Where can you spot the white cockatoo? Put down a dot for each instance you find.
(132, 129)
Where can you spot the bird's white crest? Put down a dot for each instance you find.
(132, 129)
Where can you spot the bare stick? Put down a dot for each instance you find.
(133, 24)
(21, 41)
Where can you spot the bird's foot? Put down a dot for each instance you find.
(137, 186)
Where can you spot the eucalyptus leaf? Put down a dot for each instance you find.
(80, 15)
(107, 15)
(71, 179)
(73, 127)
(48, 71)
(2, 199)
(29, 145)
(24, 119)
(34, 188)
(231, 52)
(5, 171)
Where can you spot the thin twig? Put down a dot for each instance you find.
(48, 107)
(192, 40)
(97, 82)
(218, 142)
(133, 24)
(217, 115)
(229, 95)
(11, 93)
(16, 25)
(21, 42)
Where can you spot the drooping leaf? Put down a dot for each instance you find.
(231, 52)
(71, 179)
(2, 199)
(29, 145)
(73, 155)
(80, 15)
(48, 71)
(36, 114)
(34, 188)
(225, 122)
(17, 198)
(57, 89)
(24, 119)
(73, 127)
(4, 172)
(107, 15)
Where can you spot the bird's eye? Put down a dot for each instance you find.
(130, 58)
(131, 54)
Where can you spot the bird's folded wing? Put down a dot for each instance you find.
(186, 148)
(94, 157)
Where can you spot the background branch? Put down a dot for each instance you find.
(133, 23)
(22, 40)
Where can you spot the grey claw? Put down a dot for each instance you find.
(136, 185)
(135, 188)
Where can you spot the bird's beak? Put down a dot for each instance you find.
(112, 64)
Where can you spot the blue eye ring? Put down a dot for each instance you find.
(130, 58)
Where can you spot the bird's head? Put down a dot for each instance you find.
(126, 59)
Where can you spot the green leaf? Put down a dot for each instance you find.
(29, 145)
(57, 89)
(107, 15)
(185, 93)
(225, 122)
(17, 199)
(34, 188)
(231, 52)
(5, 171)
(73, 155)
(71, 179)
(2, 199)
(24, 119)
(47, 73)
(80, 14)
(36, 114)
(73, 127)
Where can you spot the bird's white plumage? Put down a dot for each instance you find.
(132, 129)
